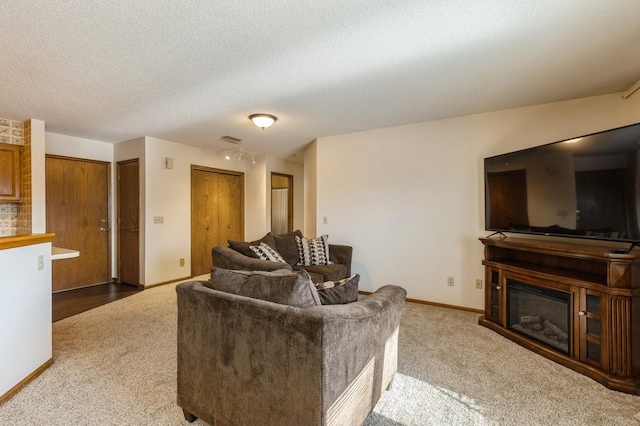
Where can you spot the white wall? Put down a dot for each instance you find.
(38, 181)
(70, 146)
(255, 200)
(409, 199)
(168, 194)
(25, 313)
(311, 190)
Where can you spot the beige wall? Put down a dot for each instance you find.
(410, 199)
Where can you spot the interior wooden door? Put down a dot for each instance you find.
(600, 199)
(77, 205)
(217, 205)
(128, 222)
(508, 199)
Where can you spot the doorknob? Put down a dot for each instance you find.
(104, 229)
(134, 230)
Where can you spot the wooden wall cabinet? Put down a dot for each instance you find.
(603, 293)
(10, 172)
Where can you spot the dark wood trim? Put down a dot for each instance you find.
(24, 382)
(216, 170)
(444, 305)
(84, 160)
(440, 305)
(165, 282)
(84, 286)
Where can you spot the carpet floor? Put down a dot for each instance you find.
(116, 365)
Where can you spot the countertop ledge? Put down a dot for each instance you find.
(24, 240)
(63, 253)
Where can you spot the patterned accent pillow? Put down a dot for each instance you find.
(265, 252)
(339, 292)
(313, 251)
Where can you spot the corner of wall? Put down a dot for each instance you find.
(311, 189)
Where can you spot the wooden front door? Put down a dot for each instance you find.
(77, 204)
(128, 222)
(217, 205)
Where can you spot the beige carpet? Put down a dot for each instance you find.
(116, 365)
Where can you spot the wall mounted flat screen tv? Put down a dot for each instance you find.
(585, 187)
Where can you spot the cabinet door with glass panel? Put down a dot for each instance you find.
(592, 327)
(493, 295)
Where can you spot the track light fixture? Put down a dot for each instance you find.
(239, 154)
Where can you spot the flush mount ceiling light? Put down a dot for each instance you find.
(239, 154)
(263, 120)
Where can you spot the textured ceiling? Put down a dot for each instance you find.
(192, 71)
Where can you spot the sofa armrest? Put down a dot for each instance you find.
(227, 258)
(355, 333)
(341, 255)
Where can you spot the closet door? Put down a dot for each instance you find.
(217, 205)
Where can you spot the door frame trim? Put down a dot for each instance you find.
(289, 199)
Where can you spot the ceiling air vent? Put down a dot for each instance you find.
(231, 139)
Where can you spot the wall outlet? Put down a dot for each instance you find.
(40, 262)
(158, 219)
(182, 261)
(450, 281)
(479, 284)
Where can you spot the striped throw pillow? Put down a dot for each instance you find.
(313, 251)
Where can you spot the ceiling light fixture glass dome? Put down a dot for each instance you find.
(263, 120)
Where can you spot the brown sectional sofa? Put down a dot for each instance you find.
(254, 361)
(238, 256)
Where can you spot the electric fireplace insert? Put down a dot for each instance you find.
(540, 313)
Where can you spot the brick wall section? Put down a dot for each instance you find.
(24, 208)
(15, 218)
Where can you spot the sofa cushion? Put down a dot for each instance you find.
(313, 251)
(333, 272)
(281, 286)
(265, 252)
(243, 246)
(287, 246)
(339, 292)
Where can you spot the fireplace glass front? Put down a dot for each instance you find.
(539, 313)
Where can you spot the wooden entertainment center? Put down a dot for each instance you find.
(601, 292)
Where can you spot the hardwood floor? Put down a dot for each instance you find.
(72, 302)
